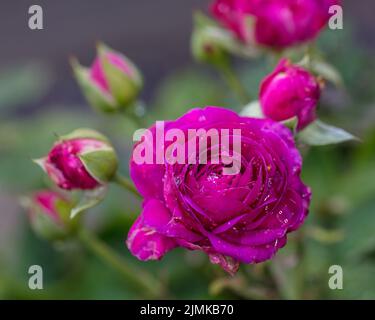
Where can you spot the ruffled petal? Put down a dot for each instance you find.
(144, 241)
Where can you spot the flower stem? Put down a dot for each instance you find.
(300, 269)
(144, 282)
(127, 184)
(285, 289)
(234, 83)
(137, 120)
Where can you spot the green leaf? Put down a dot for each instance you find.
(319, 134)
(359, 225)
(89, 200)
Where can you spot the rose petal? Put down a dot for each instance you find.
(144, 241)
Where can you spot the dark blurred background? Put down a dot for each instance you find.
(155, 34)
(39, 97)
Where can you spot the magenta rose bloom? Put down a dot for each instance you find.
(278, 23)
(242, 217)
(290, 91)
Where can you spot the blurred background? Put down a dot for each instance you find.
(39, 97)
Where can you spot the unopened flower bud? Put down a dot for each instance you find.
(207, 42)
(82, 160)
(112, 83)
(290, 91)
(48, 213)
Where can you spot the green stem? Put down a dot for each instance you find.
(289, 285)
(127, 184)
(234, 83)
(300, 269)
(138, 121)
(144, 282)
(284, 288)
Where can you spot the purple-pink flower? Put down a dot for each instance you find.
(290, 91)
(243, 217)
(274, 23)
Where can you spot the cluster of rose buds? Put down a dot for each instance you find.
(85, 159)
(82, 160)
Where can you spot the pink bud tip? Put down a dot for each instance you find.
(97, 71)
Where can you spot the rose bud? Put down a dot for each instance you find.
(112, 83)
(207, 44)
(48, 213)
(237, 216)
(82, 160)
(274, 23)
(290, 91)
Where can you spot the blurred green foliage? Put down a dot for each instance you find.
(339, 230)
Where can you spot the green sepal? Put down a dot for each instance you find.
(95, 96)
(45, 226)
(123, 87)
(89, 200)
(322, 69)
(100, 164)
(84, 133)
(291, 123)
(207, 31)
(253, 110)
